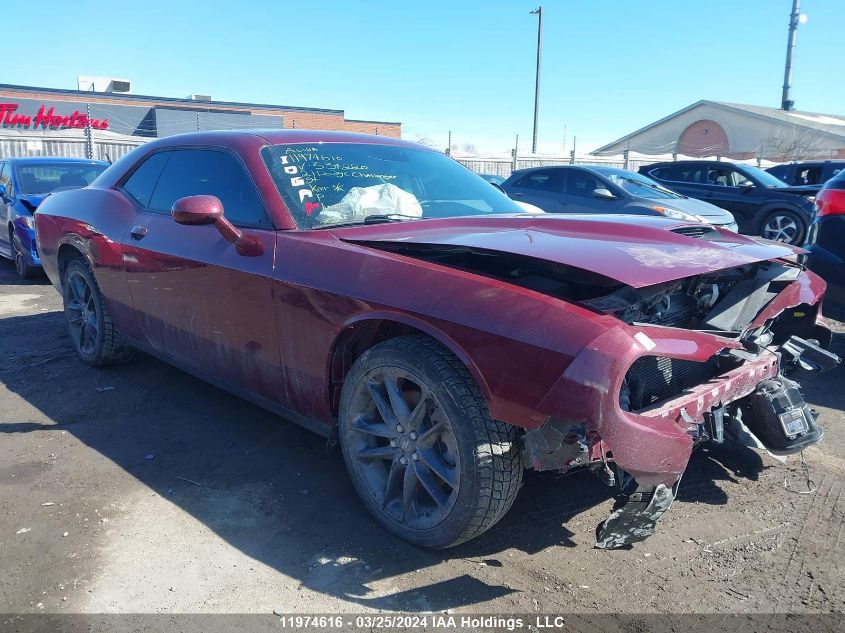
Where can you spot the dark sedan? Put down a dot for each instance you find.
(826, 243)
(600, 189)
(447, 340)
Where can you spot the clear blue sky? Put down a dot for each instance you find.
(609, 66)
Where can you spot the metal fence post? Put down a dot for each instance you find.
(89, 143)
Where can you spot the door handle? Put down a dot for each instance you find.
(138, 232)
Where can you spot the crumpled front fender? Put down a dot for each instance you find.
(654, 449)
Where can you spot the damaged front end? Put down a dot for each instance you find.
(695, 360)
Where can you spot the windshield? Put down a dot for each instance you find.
(46, 177)
(640, 186)
(763, 177)
(326, 184)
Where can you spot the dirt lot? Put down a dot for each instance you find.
(141, 489)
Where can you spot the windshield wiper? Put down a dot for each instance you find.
(389, 217)
(376, 218)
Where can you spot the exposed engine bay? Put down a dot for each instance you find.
(748, 386)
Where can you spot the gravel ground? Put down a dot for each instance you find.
(140, 489)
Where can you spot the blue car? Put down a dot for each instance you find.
(24, 183)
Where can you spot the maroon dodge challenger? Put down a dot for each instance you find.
(381, 294)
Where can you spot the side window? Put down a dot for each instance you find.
(686, 173)
(583, 184)
(143, 180)
(809, 175)
(724, 177)
(661, 173)
(192, 172)
(544, 180)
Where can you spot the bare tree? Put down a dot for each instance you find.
(792, 144)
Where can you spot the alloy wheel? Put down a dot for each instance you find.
(781, 228)
(403, 446)
(82, 313)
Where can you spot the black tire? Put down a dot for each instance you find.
(24, 270)
(785, 226)
(97, 341)
(482, 455)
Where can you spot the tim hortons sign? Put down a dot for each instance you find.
(47, 118)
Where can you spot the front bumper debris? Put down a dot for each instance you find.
(635, 517)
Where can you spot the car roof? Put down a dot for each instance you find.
(593, 168)
(35, 160)
(278, 136)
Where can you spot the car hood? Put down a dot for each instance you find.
(801, 190)
(635, 250)
(32, 200)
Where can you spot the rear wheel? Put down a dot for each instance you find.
(784, 226)
(94, 336)
(425, 456)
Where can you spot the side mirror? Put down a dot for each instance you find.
(4, 193)
(199, 210)
(196, 210)
(746, 184)
(604, 194)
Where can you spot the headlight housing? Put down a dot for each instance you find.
(669, 212)
(28, 221)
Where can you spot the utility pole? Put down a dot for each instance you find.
(564, 139)
(572, 153)
(514, 153)
(539, 13)
(449, 146)
(795, 18)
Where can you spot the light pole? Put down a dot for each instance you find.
(795, 18)
(539, 13)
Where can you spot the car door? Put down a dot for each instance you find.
(543, 188)
(722, 189)
(198, 302)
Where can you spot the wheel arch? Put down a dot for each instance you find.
(778, 205)
(71, 248)
(362, 332)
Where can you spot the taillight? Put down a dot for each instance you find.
(830, 202)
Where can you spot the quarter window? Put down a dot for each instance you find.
(143, 180)
(190, 172)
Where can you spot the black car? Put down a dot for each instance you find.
(601, 189)
(811, 173)
(762, 204)
(826, 244)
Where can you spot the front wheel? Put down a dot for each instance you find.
(425, 456)
(24, 270)
(94, 336)
(784, 226)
